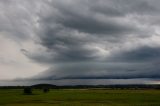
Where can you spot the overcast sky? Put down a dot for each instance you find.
(80, 40)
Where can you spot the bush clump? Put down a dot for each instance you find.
(45, 90)
(27, 91)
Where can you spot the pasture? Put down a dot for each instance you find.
(80, 97)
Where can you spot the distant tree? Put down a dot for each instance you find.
(27, 91)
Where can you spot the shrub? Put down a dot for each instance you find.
(45, 90)
(27, 91)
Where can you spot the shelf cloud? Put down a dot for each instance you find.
(75, 39)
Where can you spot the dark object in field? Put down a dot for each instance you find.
(45, 90)
(27, 91)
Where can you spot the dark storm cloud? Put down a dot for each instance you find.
(140, 7)
(82, 17)
(94, 26)
(71, 30)
(100, 71)
(104, 39)
(141, 54)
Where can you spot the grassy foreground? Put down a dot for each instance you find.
(77, 97)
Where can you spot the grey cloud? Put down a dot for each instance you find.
(141, 7)
(83, 39)
(94, 27)
(60, 32)
(82, 18)
(122, 8)
(17, 20)
(100, 71)
(141, 54)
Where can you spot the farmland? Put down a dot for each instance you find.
(80, 97)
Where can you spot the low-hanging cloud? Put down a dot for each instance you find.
(104, 39)
(98, 40)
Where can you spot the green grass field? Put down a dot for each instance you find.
(77, 97)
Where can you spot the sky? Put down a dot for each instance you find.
(79, 41)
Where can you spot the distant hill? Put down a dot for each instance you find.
(129, 86)
(44, 86)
